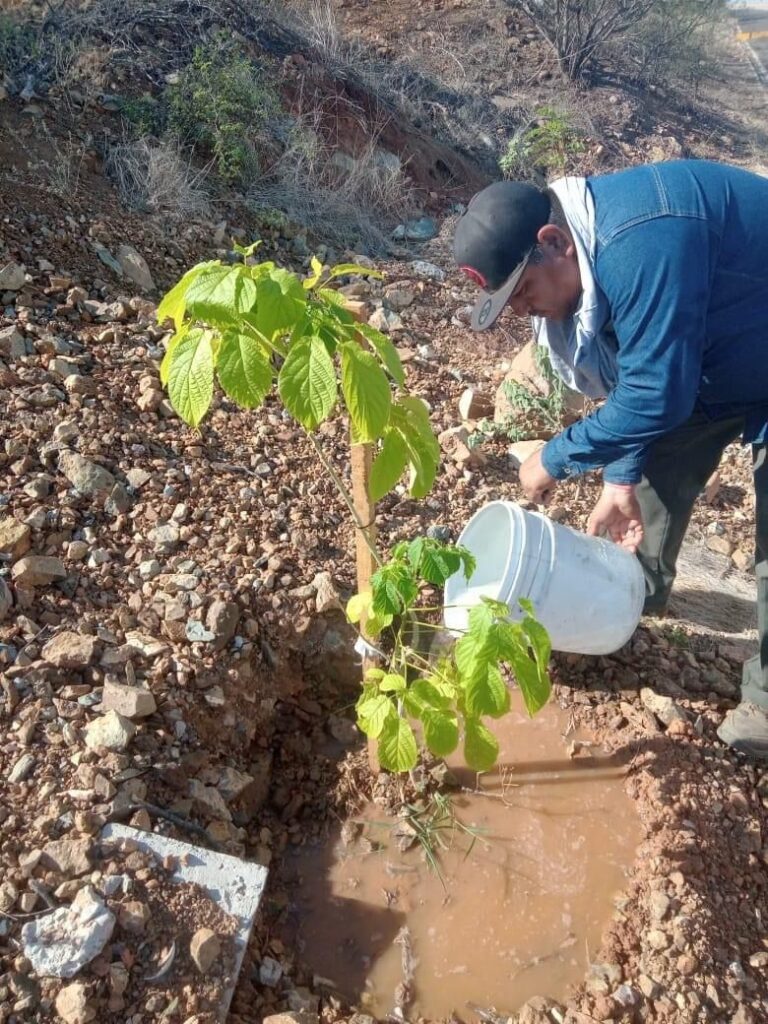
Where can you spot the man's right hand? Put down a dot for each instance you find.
(617, 514)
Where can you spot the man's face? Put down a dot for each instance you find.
(551, 288)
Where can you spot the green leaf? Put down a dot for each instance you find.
(307, 382)
(397, 746)
(366, 392)
(539, 641)
(358, 606)
(219, 295)
(385, 350)
(481, 748)
(190, 377)
(173, 305)
(468, 560)
(373, 713)
(441, 731)
(345, 269)
(388, 466)
(281, 303)
(534, 685)
(392, 683)
(432, 560)
(486, 694)
(428, 694)
(173, 344)
(411, 419)
(394, 588)
(418, 417)
(244, 370)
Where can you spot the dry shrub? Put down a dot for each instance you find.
(351, 201)
(156, 176)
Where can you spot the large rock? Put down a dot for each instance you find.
(70, 650)
(14, 537)
(111, 732)
(474, 405)
(128, 701)
(135, 268)
(205, 949)
(86, 477)
(38, 571)
(222, 620)
(60, 944)
(72, 1004)
(68, 857)
(13, 277)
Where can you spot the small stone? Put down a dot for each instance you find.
(743, 560)
(164, 539)
(647, 986)
(473, 405)
(14, 537)
(68, 857)
(657, 939)
(270, 972)
(209, 801)
(149, 569)
(88, 478)
(77, 550)
(112, 732)
(399, 297)
(326, 596)
(127, 701)
(13, 277)
(6, 599)
(38, 571)
(720, 544)
(521, 450)
(135, 268)
(687, 964)
(205, 949)
(21, 768)
(222, 620)
(664, 708)
(385, 320)
(72, 1004)
(134, 916)
(137, 478)
(429, 270)
(70, 650)
(12, 343)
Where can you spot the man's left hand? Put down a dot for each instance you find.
(617, 514)
(536, 482)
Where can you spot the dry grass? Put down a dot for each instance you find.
(347, 200)
(156, 176)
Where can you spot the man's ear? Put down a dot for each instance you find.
(555, 241)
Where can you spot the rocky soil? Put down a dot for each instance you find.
(173, 655)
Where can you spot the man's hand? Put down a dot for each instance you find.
(617, 513)
(535, 480)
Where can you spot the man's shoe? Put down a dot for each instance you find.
(745, 730)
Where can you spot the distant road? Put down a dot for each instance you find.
(752, 20)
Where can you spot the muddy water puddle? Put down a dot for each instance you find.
(524, 886)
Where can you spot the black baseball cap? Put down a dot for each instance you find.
(494, 240)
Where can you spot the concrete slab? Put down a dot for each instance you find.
(234, 884)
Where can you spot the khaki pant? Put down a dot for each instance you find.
(677, 469)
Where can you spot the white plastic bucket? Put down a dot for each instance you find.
(588, 592)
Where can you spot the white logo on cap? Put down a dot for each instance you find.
(485, 312)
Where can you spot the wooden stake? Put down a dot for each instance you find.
(362, 459)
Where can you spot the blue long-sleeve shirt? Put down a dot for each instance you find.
(682, 259)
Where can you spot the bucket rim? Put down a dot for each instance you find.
(510, 508)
